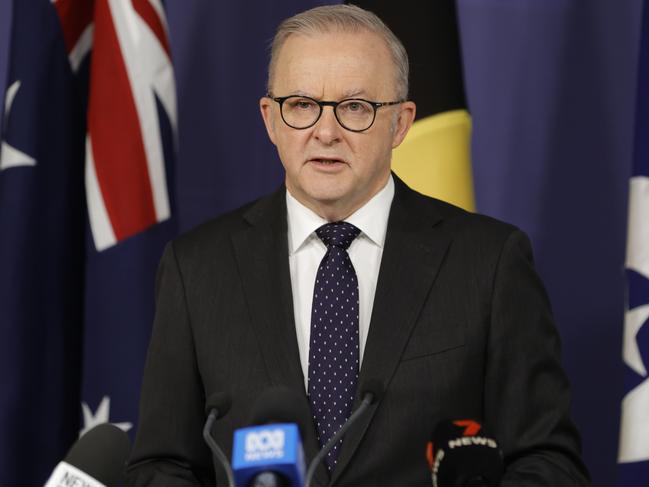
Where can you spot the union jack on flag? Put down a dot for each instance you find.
(131, 82)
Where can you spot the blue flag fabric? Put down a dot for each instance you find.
(633, 454)
(42, 221)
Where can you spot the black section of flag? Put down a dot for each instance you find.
(429, 31)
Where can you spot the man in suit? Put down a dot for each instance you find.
(345, 275)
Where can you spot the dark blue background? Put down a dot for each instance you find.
(551, 85)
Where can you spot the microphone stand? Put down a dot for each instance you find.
(216, 451)
(365, 403)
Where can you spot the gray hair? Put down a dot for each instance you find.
(342, 18)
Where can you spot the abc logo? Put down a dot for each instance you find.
(265, 440)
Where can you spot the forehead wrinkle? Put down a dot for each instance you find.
(332, 90)
(354, 92)
(350, 93)
(300, 93)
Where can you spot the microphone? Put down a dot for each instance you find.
(271, 454)
(371, 394)
(463, 454)
(97, 459)
(216, 406)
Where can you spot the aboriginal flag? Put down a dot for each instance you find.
(434, 158)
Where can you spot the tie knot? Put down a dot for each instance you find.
(338, 234)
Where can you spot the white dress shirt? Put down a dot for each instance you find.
(306, 250)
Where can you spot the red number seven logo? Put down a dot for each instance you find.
(471, 428)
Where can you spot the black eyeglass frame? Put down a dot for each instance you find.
(333, 104)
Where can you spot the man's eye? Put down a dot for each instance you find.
(355, 108)
(302, 104)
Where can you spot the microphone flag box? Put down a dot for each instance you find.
(268, 448)
(66, 475)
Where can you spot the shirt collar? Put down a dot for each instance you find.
(371, 218)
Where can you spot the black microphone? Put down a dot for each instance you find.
(217, 406)
(371, 393)
(279, 404)
(463, 454)
(97, 459)
(269, 453)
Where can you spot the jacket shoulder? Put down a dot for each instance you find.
(460, 222)
(216, 232)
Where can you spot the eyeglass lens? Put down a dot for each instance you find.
(301, 112)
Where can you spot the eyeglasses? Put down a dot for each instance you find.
(354, 114)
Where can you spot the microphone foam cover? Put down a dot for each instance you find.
(373, 386)
(279, 404)
(101, 453)
(221, 401)
(462, 450)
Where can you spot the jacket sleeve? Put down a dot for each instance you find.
(527, 394)
(169, 448)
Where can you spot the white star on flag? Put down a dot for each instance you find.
(102, 415)
(9, 155)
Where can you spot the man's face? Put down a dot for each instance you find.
(329, 169)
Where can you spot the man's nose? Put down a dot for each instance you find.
(327, 129)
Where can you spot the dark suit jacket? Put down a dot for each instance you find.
(461, 327)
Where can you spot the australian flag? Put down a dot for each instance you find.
(633, 454)
(129, 175)
(88, 133)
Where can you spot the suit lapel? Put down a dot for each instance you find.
(414, 250)
(262, 256)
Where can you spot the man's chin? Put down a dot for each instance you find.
(327, 190)
(324, 201)
(327, 198)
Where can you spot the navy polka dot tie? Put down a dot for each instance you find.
(333, 348)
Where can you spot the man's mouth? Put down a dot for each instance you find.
(327, 161)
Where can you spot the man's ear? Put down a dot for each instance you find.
(266, 108)
(405, 119)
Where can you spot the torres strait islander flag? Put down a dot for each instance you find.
(633, 455)
(88, 143)
(434, 158)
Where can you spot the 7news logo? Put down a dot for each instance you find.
(470, 435)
